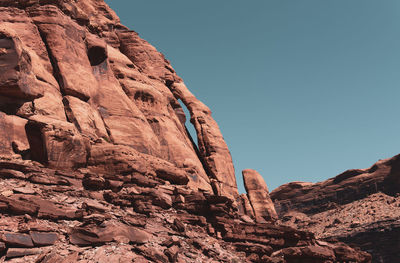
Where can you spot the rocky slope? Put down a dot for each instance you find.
(360, 207)
(96, 163)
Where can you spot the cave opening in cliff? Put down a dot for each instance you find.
(97, 55)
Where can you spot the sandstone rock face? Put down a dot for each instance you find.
(96, 82)
(258, 194)
(13, 138)
(96, 163)
(345, 188)
(359, 206)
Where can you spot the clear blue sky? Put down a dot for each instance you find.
(302, 90)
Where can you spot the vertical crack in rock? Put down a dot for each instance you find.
(70, 115)
(56, 70)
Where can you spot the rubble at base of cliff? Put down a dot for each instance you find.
(49, 216)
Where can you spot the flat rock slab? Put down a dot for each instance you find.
(92, 235)
(43, 238)
(24, 190)
(17, 240)
(21, 252)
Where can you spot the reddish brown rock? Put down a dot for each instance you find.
(56, 143)
(353, 207)
(38, 68)
(17, 80)
(16, 240)
(108, 232)
(245, 207)
(15, 206)
(212, 147)
(98, 154)
(21, 252)
(158, 104)
(13, 141)
(108, 159)
(43, 238)
(345, 188)
(87, 120)
(258, 194)
(62, 37)
(65, 44)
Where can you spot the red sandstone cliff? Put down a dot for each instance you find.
(96, 163)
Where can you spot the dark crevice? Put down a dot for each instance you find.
(10, 106)
(36, 142)
(106, 126)
(70, 115)
(56, 70)
(25, 154)
(97, 55)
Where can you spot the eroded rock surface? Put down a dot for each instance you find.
(96, 163)
(75, 63)
(359, 206)
(258, 195)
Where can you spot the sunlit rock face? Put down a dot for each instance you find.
(96, 163)
(74, 62)
(258, 195)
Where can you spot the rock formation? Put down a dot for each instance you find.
(258, 195)
(63, 62)
(96, 163)
(358, 206)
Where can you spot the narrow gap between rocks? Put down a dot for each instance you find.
(191, 131)
(189, 126)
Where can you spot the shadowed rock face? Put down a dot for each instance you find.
(96, 163)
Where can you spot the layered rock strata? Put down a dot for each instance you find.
(351, 185)
(359, 206)
(49, 215)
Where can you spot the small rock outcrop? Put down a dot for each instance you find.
(258, 195)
